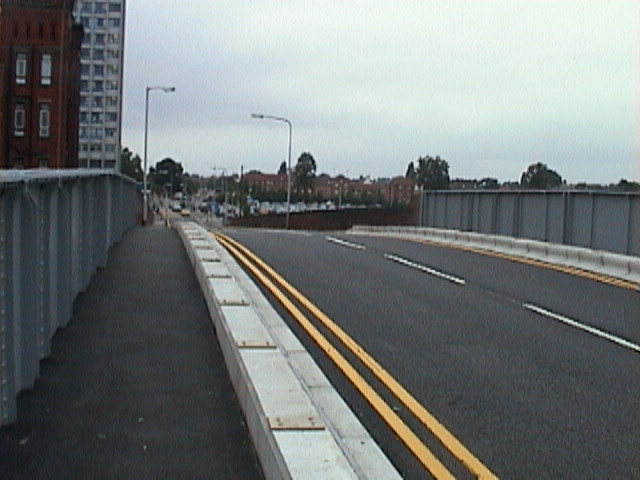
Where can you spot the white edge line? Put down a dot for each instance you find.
(344, 243)
(586, 328)
(423, 268)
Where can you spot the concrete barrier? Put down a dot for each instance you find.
(616, 263)
(504, 243)
(613, 264)
(557, 252)
(300, 426)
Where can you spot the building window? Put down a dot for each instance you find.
(114, 7)
(19, 119)
(21, 68)
(45, 120)
(45, 69)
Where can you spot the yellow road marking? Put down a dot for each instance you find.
(578, 272)
(428, 420)
(415, 445)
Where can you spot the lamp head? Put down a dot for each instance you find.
(257, 115)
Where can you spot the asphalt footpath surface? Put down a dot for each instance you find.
(136, 386)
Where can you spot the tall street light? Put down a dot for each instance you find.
(225, 193)
(145, 194)
(281, 119)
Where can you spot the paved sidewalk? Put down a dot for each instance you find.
(136, 386)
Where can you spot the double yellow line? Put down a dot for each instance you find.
(277, 285)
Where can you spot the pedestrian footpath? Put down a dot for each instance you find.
(136, 386)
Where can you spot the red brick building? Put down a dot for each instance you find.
(39, 84)
(340, 188)
(266, 182)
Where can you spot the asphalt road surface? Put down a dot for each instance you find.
(535, 371)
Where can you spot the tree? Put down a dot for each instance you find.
(539, 176)
(626, 186)
(283, 168)
(411, 171)
(432, 173)
(304, 174)
(167, 176)
(131, 165)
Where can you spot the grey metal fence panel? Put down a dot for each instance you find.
(580, 220)
(633, 246)
(507, 213)
(55, 230)
(598, 220)
(555, 215)
(533, 216)
(610, 223)
(486, 213)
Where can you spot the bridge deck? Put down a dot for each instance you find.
(136, 386)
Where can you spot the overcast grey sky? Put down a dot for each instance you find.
(491, 86)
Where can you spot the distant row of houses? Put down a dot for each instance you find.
(397, 190)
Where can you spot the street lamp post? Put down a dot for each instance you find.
(224, 189)
(282, 119)
(145, 194)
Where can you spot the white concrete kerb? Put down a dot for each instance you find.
(615, 265)
(300, 426)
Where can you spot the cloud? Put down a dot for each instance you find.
(369, 86)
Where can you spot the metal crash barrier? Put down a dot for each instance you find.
(56, 227)
(591, 219)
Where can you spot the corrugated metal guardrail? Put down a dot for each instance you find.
(56, 227)
(591, 219)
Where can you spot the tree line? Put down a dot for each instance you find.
(428, 172)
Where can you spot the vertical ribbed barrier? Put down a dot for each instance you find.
(56, 227)
(591, 219)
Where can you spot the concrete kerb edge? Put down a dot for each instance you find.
(615, 265)
(272, 459)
